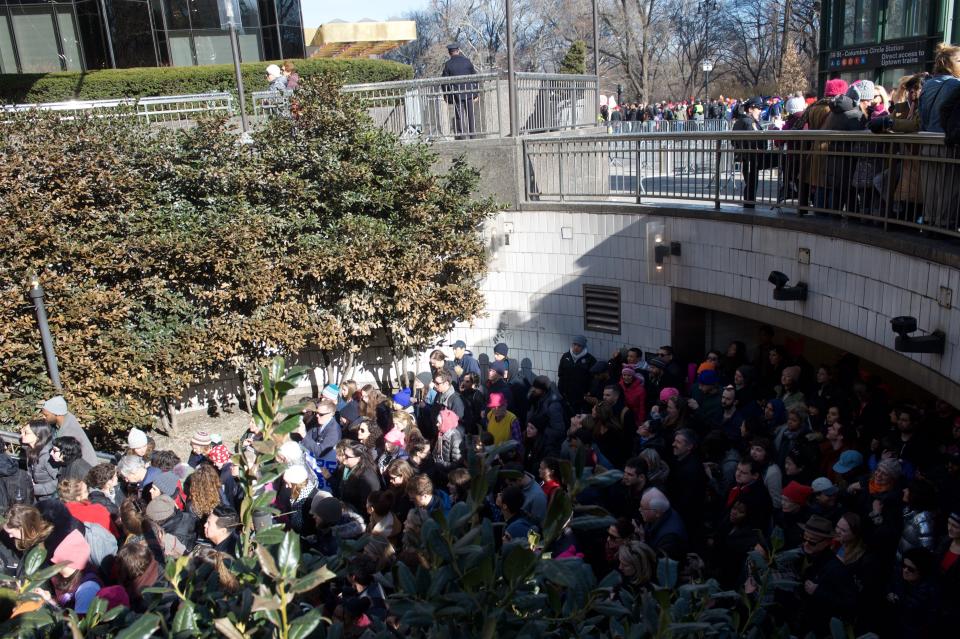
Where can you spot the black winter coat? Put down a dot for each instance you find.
(574, 379)
(16, 487)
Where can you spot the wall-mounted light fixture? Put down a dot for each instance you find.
(935, 342)
(784, 293)
(661, 250)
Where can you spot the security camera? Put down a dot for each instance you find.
(784, 293)
(935, 342)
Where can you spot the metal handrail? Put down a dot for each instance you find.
(179, 107)
(404, 84)
(894, 180)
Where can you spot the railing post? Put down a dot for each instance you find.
(560, 170)
(717, 174)
(888, 188)
(639, 172)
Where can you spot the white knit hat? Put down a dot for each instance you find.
(295, 474)
(796, 105)
(137, 438)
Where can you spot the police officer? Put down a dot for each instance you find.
(460, 96)
(750, 161)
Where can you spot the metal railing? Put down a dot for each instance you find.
(556, 101)
(904, 180)
(165, 108)
(668, 126)
(460, 107)
(271, 102)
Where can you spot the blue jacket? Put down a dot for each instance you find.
(936, 90)
(668, 535)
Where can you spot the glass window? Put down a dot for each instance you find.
(213, 49)
(859, 21)
(181, 53)
(890, 78)
(36, 42)
(906, 18)
(178, 14)
(133, 43)
(68, 36)
(250, 48)
(8, 61)
(204, 14)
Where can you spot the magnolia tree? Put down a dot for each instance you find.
(171, 256)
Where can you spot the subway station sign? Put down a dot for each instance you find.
(872, 56)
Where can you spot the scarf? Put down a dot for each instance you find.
(876, 488)
(577, 357)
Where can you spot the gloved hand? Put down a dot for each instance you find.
(883, 124)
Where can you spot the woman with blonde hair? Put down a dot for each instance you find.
(637, 564)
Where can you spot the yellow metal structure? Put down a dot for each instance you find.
(358, 39)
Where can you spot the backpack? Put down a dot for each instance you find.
(102, 543)
(16, 489)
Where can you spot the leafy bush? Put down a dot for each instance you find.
(151, 81)
(169, 256)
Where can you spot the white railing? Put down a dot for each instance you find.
(152, 109)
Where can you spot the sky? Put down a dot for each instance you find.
(316, 12)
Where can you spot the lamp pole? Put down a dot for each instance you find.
(511, 78)
(35, 292)
(235, 51)
(707, 68)
(596, 43)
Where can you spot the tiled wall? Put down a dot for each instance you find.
(534, 297)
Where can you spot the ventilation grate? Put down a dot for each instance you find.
(601, 308)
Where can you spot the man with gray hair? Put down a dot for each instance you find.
(134, 475)
(663, 528)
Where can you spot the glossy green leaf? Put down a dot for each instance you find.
(267, 562)
(186, 618)
(313, 579)
(518, 563)
(34, 559)
(302, 627)
(288, 554)
(142, 628)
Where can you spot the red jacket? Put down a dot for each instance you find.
(92, 514)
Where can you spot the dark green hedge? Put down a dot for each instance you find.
(148, 81)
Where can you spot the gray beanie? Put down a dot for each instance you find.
(861, 90)
(161, 509)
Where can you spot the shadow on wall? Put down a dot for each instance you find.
(540, 263)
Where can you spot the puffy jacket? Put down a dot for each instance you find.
(43, 474)
(449, 450)
(16, 487)
(574, 377)
(183, 526)
(546, 412)
(919, 530)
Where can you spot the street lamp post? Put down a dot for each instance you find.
(707, 68)
(235, 51)
(596, 43)
(35, 291)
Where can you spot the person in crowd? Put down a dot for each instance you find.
(55, 413)
(463, 361)
(102, 484)
(551, 479)
(826, 499)
(761, 452)
(66, 457)
(75, 585)
(451, 445)
(73, 493)
(573, 374)
(706, 410)
(829, 589)
(547, 413)
(637, 563)
(664, 529)
(139, 444)
(220, 457)
(289, 71)
(200, 444)
(633, 392)
(919, 517)
(36, 439)
(220, 529)
(518, 525)
(296, 496)
(474, 403)
(370, 436)
(750, 492)
(915, 595)
(501, 423)
(360, 477)
(748, 153)
(394, 448)
(276, 81)
(204, 492)
(948, 558)
(794, 510)
(688, 481)
(137, 570)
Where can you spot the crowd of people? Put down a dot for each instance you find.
(919, 187)
(856, 497)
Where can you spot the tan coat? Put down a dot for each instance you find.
(909, 185)
(814, 118)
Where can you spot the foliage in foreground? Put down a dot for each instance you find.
(170, 256)
(466, 588)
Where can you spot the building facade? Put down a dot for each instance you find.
(883, 40)
(39, 36)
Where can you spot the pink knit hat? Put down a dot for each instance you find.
(667, 393)
(73, 550)
(448, 420)
(395, 437)
(834, 88)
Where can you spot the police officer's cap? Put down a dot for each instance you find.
(453, 46)
(753, 103)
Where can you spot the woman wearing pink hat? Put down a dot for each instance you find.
(75, 586)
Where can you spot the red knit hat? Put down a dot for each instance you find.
(219, 455)
(834, 88)
(797, 493)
